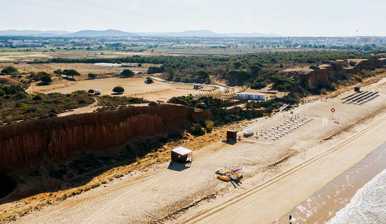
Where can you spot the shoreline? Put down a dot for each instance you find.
(319, 136)
(338, 157)
(367, 205)
(323, 205)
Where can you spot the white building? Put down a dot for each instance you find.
(251, 96)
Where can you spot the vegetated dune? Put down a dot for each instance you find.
(134, 87)
(31, 143)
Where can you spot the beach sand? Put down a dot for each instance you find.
(324, 204)
(326, 148)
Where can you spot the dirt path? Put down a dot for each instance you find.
(82, 110)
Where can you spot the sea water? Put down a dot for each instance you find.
(368, 206)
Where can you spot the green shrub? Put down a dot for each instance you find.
(37, 98)
(17, 105)
(314, 67)
(58, 71)
(148, 80)
(11, 89)
(153, 70)
(10, 70)
(92, 76)
(70, 72)
(113, 103)
(127, 73)
(197, 130)
(238, 77)
(45, 78)
(118, 90)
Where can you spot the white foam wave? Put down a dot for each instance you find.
(368, 206)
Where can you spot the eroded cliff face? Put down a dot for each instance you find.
(370, 64)
(31, 143)
(319, 78)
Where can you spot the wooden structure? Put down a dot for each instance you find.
(181, 155)
(231, 136)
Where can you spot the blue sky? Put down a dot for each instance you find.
(284, 17)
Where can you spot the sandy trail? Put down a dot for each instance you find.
(165, 191)
(81, 110)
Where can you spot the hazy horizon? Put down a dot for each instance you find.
(275, 17)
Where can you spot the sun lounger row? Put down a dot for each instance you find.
(281, 130)
(361, 98)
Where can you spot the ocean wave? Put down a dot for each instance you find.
(368, 206)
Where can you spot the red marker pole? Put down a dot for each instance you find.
(332, 113)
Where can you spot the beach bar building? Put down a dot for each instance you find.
(251, 96)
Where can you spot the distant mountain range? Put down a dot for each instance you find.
(119, 33)
(101, 33)
(207, 33)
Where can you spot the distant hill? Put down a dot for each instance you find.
(207, 33)
(101, 33)
(119, 33)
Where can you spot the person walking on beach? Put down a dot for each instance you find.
(290, 219)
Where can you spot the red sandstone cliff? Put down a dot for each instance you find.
(30, 143)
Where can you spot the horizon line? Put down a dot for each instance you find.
(187, 31)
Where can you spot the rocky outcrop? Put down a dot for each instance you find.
(326, 74)
(31, 143)
(370, 64)
(318, 78)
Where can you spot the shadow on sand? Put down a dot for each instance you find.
(178, 166)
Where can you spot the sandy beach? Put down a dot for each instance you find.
(276, 197)
(279, 174)
(324, 204)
